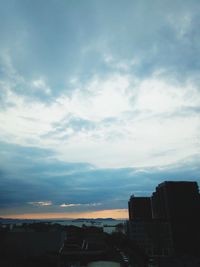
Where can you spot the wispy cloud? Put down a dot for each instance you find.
(40, 203)
(64, 205)
(93, 123)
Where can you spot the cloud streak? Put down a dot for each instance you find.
(65, 205)
(40, 203)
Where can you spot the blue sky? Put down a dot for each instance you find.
(98, 100)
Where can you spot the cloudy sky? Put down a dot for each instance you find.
(98, 100)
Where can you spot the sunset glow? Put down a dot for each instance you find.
(115, 214)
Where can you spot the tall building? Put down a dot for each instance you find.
(152, 236)
(139, 208)
(168, 221)
(175, 201)
(178, 204)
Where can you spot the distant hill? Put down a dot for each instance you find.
(97, 219)
(10, 220)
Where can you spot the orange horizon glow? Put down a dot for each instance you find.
(114, 213)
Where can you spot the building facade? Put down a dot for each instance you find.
(150, 235)
(139, 208)
(168, 221)
(178, 204)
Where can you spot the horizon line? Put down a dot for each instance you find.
(103, 214)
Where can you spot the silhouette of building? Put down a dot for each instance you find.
(167, 221)
(152, 236)
(139, 208)
(175, 201)
(178, 204)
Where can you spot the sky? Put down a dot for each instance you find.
(99, 100)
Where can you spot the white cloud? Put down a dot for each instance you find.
(25, 120)
(40, 203)
(136, 122)
(99, 99)
(157, 96)
(64, 205)
(40, 84)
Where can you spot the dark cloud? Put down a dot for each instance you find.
(42, 178)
